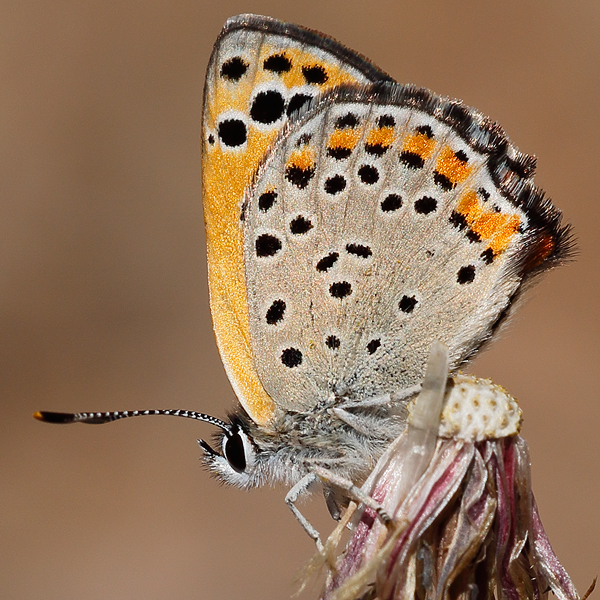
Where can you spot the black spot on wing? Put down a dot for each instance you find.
(376, 149)
(266, 200)
(473, 236)
(267, 245)
(407, 304)
(232, 132)
(466, 274)
(373, 345)
(234, 68)
(386, 121)
(425, 130)
(359, 250)
(335, 185)
(411, 160)
(275, 312)
(458, 220)
(339, 152)
(315, 74)
(347, 121)
(425, 205)
(327, 262)
(368, 174)
(300, 225)
(277, 63)
(487, 256)
(298, 176)
(332, 342)
(443, 181)
(291, 357)
(340, 289)
(267, 107)
(391, 203)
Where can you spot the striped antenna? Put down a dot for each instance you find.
(94, 418)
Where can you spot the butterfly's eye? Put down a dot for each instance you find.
(234, 450)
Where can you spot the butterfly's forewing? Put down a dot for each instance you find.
(385, 219)
(260, 72)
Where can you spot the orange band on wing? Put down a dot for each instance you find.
(383, 136)
(451, 166)
(419, 144)
(226, 275)
(345, 139)
(495, 227)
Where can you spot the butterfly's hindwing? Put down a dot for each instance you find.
(376, 227)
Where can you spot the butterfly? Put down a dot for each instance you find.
(351, 223)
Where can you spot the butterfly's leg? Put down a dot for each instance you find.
(353, 492)
(301, 488)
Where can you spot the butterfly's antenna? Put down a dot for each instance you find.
(94, 418)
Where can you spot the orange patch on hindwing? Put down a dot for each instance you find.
(343, 141)
(303, 159)
(419, 144)
(496, 228)
(379, 140)
(451, 168)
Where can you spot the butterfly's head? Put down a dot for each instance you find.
(237, 461)
(236, 464)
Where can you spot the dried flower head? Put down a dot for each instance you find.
(464, 522)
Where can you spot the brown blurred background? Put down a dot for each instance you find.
(103, 296)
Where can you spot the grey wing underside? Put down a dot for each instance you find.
(358, 260)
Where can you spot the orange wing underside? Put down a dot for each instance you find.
(226, 174)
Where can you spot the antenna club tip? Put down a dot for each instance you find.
(54, 417)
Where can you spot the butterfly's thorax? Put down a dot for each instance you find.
(297, 441)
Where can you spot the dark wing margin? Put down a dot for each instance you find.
(306, 36)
